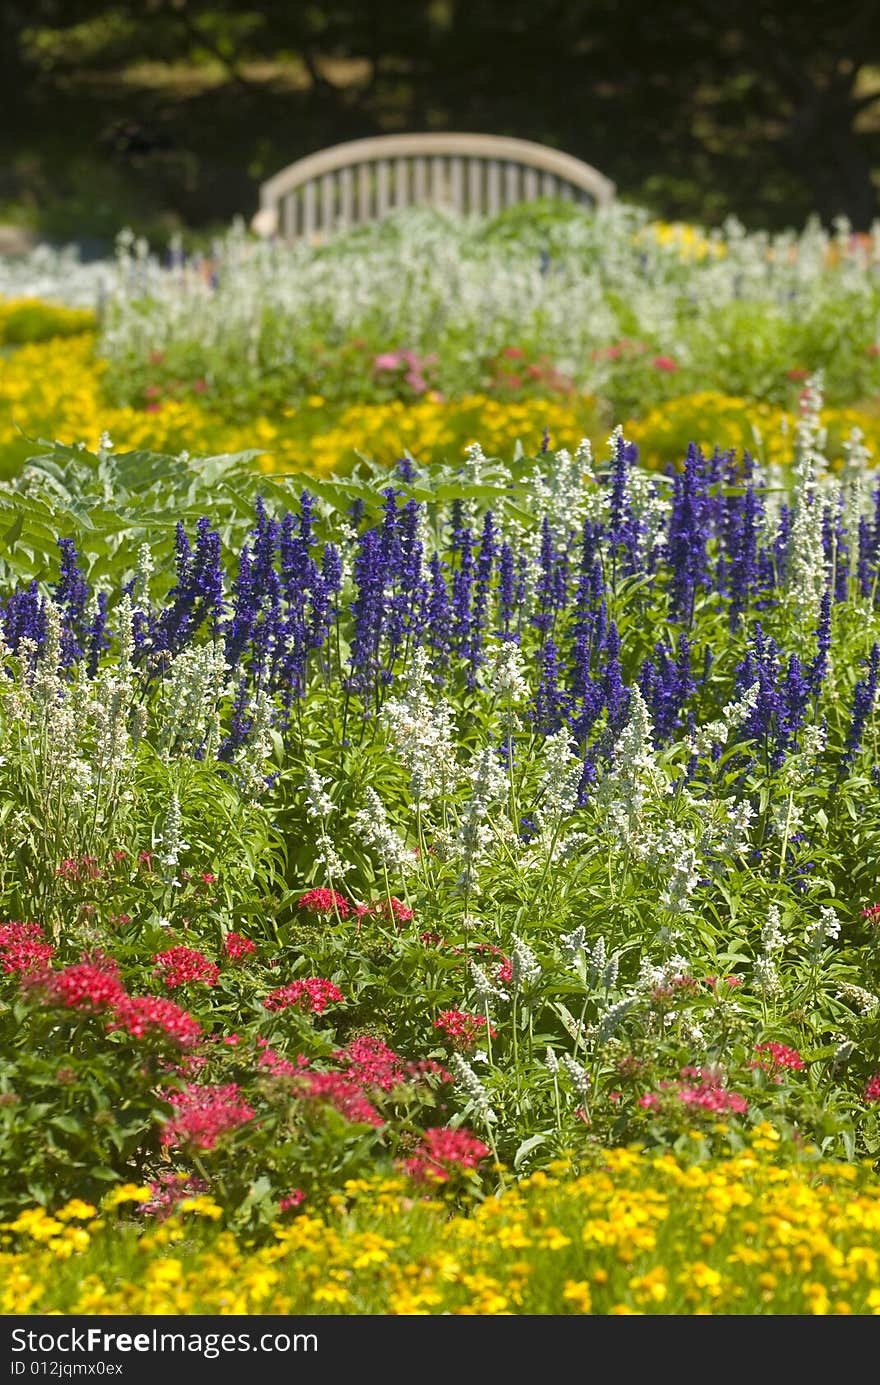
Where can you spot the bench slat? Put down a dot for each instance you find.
(366, 179)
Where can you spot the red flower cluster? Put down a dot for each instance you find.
(140, 1015)
(705, 1093)
(168, 1191)
(181, 965)
(710, 1097)
(872, 913)
(619, 349)
(292, 1199)
(504, 969)
(712, 981)
(237, 946)
(324, 902)
(371, 1063)
(390, 910)
(22, 948)
(78, 869)
(344, 1096)
(203, 1114)
(92, 984)
(277, 1065)
(872, 1089)
(462, 1029)
(443, 1151)
(312, 995)
(777, 1056)
(664, 363)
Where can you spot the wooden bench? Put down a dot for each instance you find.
(366, 179)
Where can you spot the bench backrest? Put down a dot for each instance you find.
(366, 179)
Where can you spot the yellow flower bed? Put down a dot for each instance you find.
(54, 390)
(641, 1232)
(709, 418)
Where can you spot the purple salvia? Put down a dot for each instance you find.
(864, 699)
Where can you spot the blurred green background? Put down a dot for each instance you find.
(166, 114)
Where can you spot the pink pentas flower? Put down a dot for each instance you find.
(23, 949)
(143, 1016)
(345, 1097)
(236, 946)
(202, 1115)
(462, 1029)
(277, 1065)
(872, 912)
(443, 1151)
(323, 902)
(79, 869)
(388, 360)
(371, 1063)
(665, 363)
(180, 966)
(167, 1191)
(26, 957)
(872, 1088)
(92, 984)
(293, 1199)
(313, 995)
(775, 1056)
(392, 910)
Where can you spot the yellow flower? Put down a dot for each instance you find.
(577, 1293)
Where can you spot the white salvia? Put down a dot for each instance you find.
(865, 1001)
(579, 1077)
(767, 980)
(805, 578)
(327, 855)
(560, 779)
(597, 962)
(422, 730)
(124, 618)
(559, 485)
(143, 572)
(171, 841)
(735, 834)
(551, 1062)
(822, 930)
(610, 1021)
(842, 1054)
(813, 741)
(474, 1087)
(772, 936)
(570, 845)
(371, 825)
(574, 943)
(197, 680)
(318, 803)
(634, 773)
(504, 672)
(733, 716)
(475, 835)
(250, 762)
(682, 877)
(526, 968)
(652, 975)
(786, 817)
(609, 976)
(486, 988)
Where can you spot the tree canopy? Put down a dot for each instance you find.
(174, 110)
